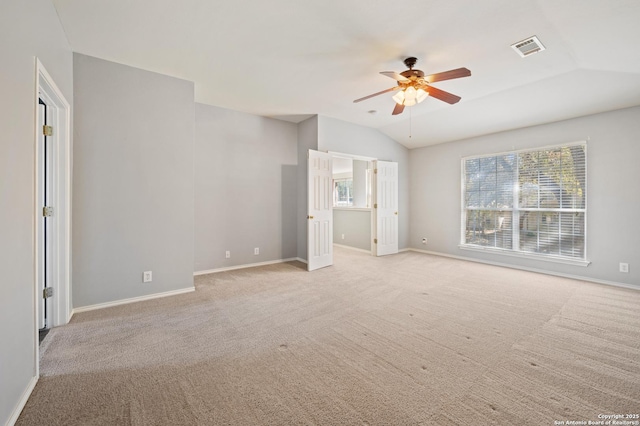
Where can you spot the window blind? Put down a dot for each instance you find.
(531, 201)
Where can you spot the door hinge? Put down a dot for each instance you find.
(375, 171)
(47, 130)
(47, 211)
(375, 241)
(47, 292)
(375, 206)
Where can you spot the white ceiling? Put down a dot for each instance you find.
(289, 59)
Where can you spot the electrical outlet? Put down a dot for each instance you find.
(424, 241)
(343, 236)
(256, 251)
(624, 267)
(227, 254)
(147, 276)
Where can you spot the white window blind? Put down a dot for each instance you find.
(532, 202)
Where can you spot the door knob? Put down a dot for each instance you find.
(309, 217)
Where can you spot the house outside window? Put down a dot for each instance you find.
(343, 192)
(530, 202)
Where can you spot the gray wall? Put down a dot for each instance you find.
(355, 225)
(340, 136)
(360, 183)
(133, 182)
(246, 188)
(307, 139)
(28, 29)
(612, 192)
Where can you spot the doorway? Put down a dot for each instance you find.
(353, 202)
(326, 189)
(52, 207)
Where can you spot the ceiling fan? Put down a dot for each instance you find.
(414, 87)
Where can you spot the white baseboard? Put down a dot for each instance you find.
(352, 248)
(247, 265)
(23, 401)
(299, 259)
(524, 268)
(132, 300)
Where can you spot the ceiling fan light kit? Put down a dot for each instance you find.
(414, 87)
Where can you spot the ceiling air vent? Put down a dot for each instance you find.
(528, 46)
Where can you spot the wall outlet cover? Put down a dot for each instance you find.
(147, 276)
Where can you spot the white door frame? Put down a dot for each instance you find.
(59, 116)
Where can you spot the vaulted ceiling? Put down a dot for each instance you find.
(289, 59)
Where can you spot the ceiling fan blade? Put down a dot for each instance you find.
(398, 109)
(447, 75)
(376, 94)
(394, 75)
(447, 97)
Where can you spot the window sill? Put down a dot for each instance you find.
(530, 256)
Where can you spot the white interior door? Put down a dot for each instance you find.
(386, 207)
(319, 211)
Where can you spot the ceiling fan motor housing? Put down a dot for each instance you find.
(416, 74)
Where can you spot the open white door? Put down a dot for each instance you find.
(320, 211)
(386, 207)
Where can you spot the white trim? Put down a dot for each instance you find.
(524, 255)
(47, 89)
(246, 265)
(23, 401)
(132, 300)
(299, 259)
(524, 268)
(352, 248)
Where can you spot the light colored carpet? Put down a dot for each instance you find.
(402, 340)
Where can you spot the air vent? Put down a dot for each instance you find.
(528, 46)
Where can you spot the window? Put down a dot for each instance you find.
(343, 192)
(351, 183)
(529, 202)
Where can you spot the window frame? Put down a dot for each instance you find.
(516, 210)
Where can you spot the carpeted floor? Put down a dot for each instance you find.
(408, 339)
